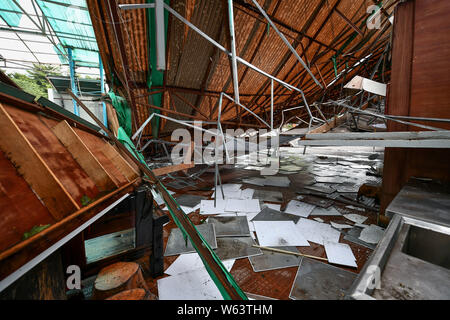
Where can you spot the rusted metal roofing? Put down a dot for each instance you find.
(197, 71)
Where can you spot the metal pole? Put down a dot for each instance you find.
(242, 106)
(386, 117)
(160, 36)
(102, 89)
(287, 42)
(233, 51)
(73, 84)
(271, 105)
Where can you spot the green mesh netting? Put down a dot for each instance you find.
(10, 13)
(123, 112)
(72, 24)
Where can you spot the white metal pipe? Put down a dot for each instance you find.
(427, 143)
(271, 104)
(136, 6)
(245, 108)
(408, 135)
(233, 51)
(160, 36)
(386, 117)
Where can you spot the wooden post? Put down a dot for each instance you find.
(157, 256)
(118, 277)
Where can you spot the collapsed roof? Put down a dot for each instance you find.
(332, 37)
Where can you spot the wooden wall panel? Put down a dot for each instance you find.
(37, 130)
(20, 209)
(420, 86)
(430, 87)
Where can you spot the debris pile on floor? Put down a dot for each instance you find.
(281, 222)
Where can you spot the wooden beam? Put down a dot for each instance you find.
(169, 169)
(81, 153)
(112, 119)
(349, 22)
(121, 164)
(33, 168)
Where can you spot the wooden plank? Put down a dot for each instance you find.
(336, 121)
(83, 156)
(169, 169)
(124, 166)
(402, 59)
(430, 94)
(33, 168)
(113, 122)
(96, 146)
(37, 129)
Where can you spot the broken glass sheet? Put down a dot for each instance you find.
(238, 205)
(269, 195)
(255, 181)
(268, 214)
(230, 226)
(316, 280)
(317, 232)
(356, 208)
(277, 181)
(236, 248)
(340, 253)
(190, 285)
(190, 262)
(349, 187)
(333, 179)
(189, 200)
(355, 218)
(331, 211)
(340, 226)
(273, 206)
(278, 234)
(371, 234)
(353, 234)
(248, 194)
(207, 207)
(321, 188)
(270, 260)
(177, 244)
(299, 208)
(324, 203)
